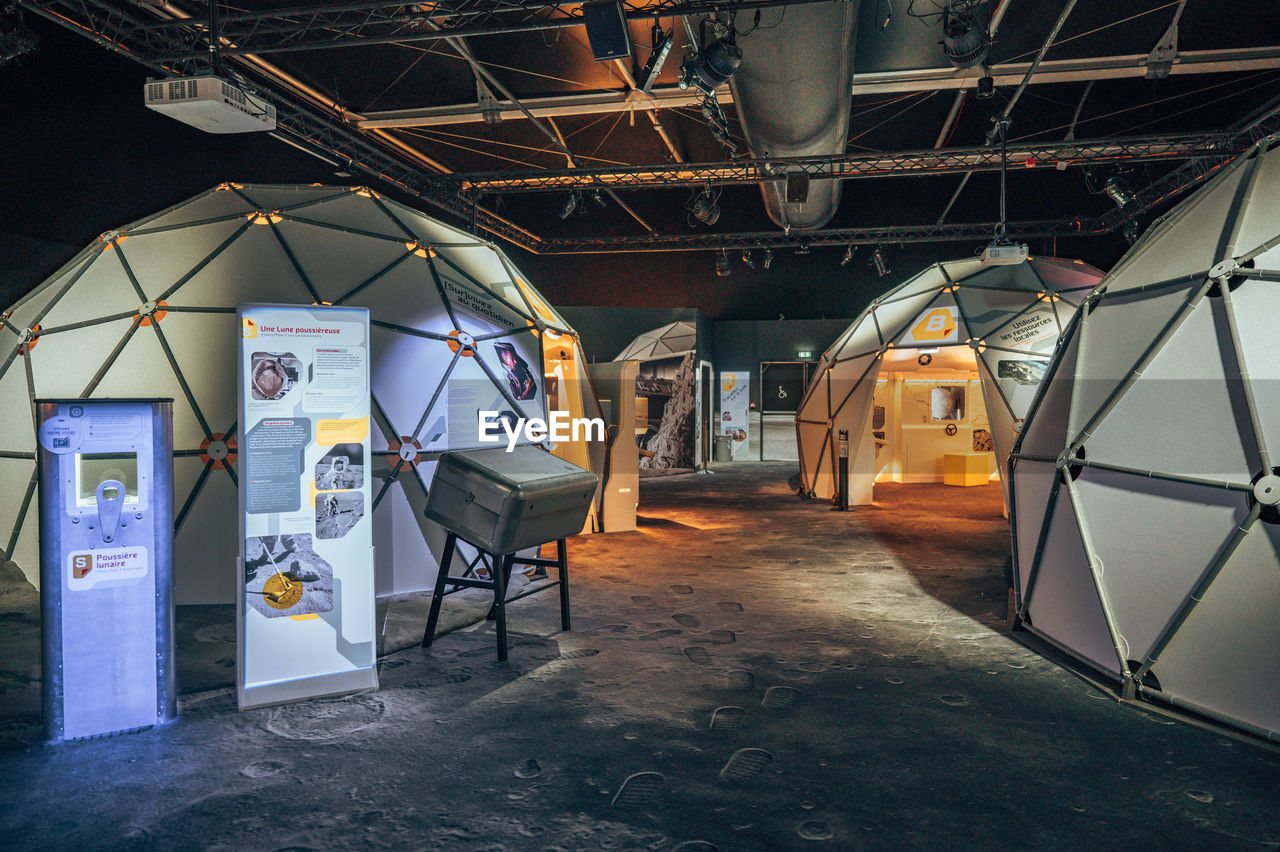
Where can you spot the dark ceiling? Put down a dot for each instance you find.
(86, 156)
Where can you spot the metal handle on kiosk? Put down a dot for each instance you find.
(110, 497)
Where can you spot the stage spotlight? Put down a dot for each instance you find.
(722, 264)
(803, 248)
(848, 255)
(882, 264)
(768, 258)
(1117, 190)
(1130, 231)
(570, 205)
(705, 208)
(986, 88)
(964, 41)
(748, 259)
(16, 41)
(711, 67)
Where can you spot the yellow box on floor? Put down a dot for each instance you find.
(964, 469)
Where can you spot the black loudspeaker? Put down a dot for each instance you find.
(606, 30)
(797, 187)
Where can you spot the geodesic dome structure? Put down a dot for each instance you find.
(148, 310)
(673, 340)
(1145, 485)
(1009, 317)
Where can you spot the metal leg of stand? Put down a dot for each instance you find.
(442, 578)
(563, 556)
(501, 573)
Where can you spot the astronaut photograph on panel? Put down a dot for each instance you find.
(273, 374)
(340, 468)
(338, 512)
(284, 576)
(519, 377)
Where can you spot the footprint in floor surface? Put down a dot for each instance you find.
(682, 590)
(698, 654)
(780, 697)
(740, 680)
(640, 789)
(723, 637)
(660, 634)
(729, 606)
(728, 718)
(685, 619)
(642, 600)
(745, 764)
(579, 653)
(529, 769)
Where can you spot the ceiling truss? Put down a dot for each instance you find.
(327, 131)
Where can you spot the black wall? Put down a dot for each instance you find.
(741, 345)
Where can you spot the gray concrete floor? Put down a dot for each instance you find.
(747, 671)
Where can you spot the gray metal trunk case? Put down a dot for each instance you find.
(505, 501)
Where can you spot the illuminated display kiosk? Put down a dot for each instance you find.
(106, 564)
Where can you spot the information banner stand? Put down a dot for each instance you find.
(735, 410)
(106, 564)
(305, 612)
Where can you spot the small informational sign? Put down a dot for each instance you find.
(735, 410)
(106, 567)
(306, 608)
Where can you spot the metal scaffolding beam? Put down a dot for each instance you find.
(341, 25)
(319, 126)
(1047, 154)
(1234, 60)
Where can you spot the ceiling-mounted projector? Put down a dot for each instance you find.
(1004, 254)
(211, 104)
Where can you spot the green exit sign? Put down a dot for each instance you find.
(805, 353)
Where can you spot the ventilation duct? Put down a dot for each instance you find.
(792, 93)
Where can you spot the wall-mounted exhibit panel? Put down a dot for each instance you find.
(106, 538)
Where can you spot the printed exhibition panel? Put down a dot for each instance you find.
(306, 608)
(106, 559)
(735, 410)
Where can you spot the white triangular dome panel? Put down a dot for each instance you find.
(1153, 539)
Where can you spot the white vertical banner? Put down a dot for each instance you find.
(735, 410)
(305, 611)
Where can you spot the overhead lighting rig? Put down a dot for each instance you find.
(707, 68)
(723, 270)
(705, 207)
(16, 39)
(881, 262)
(964, 34)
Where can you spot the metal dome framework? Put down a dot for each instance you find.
(1001, 313)
(1145, 487)
(673, 340)
(149, 310)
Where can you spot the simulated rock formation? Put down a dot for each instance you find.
(673, 445)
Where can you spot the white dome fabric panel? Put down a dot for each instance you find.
(1003, 313)
(1159, 419)
(149, 310)
(673, 340)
